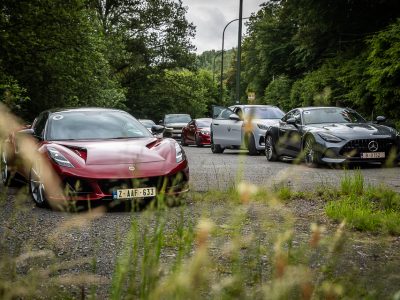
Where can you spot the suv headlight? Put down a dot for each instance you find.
(263, 127)
(329, 137)
(205, 132)
(180, 155)
(59, 158)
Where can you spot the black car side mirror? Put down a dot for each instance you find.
(234, 117)
(380, 119)
(157, 129)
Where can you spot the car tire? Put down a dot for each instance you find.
(251, 145)
(312, 157)
(270, 151)
(36, 187)
(6, 176)
(198, 142)
(215, 148)
(183, 141)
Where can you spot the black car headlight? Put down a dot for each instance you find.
(58, 158)
(329, 137)
(180, 155)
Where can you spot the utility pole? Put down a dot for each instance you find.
(239, 53)
(221, 90)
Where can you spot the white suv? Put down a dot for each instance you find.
(242, 125)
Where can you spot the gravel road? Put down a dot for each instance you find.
(73, 237)
(215, 171)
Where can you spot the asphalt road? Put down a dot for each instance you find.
(221, 171)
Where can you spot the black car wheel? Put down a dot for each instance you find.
(198, 141)
(6, 177)
(36, 187)
(251, 144)
(311, 153)
(183, 141)
(270, 152)
(215, 148)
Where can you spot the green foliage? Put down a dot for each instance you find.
(331, 52)
(384, 70)
(11, 93)
(278, 92)
(206, 61)
(91, 53)
(56, 52)
(176, 91)
(374, 209)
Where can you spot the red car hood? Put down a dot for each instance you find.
(112, 152)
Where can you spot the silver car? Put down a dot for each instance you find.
(241, 126)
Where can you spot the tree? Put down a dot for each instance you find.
(175, 91)
(55, 50)
(384, 70)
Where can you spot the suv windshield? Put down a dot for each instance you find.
(263, 112)
(177, 119)
(331, 115)
(90, 125)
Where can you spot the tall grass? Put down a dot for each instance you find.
(370, 208)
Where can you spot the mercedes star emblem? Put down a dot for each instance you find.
(373, 146)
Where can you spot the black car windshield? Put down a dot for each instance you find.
(204, 123)
(90, 125)
(331, 115)
(263, 112)
(177, 119)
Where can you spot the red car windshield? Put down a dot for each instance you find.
(88, 125)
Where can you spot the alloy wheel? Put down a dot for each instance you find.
(268, 148)
(4, 168)
(310, 154)
(37, 187)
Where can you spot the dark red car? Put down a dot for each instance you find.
(197, 132)
(98, 154)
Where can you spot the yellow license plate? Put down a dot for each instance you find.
(373, 155)
(134, 193)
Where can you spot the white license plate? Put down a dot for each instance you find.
(373, 155)
(134, 193)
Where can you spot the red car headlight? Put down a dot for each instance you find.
(180, 155)
(58, 158)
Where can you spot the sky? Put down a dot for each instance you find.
(210, 18)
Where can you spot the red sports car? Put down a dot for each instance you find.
(98, 154)
(197, 132)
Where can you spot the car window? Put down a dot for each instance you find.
(40, 124)
(177, 119)
(288, 116)
(224, 114)
(86, 125)
(261, 112)
(147, 123)
(331, 115)
(297, 117)
(239, 112)
(203, 123)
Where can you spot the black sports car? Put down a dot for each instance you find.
(331, 135)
